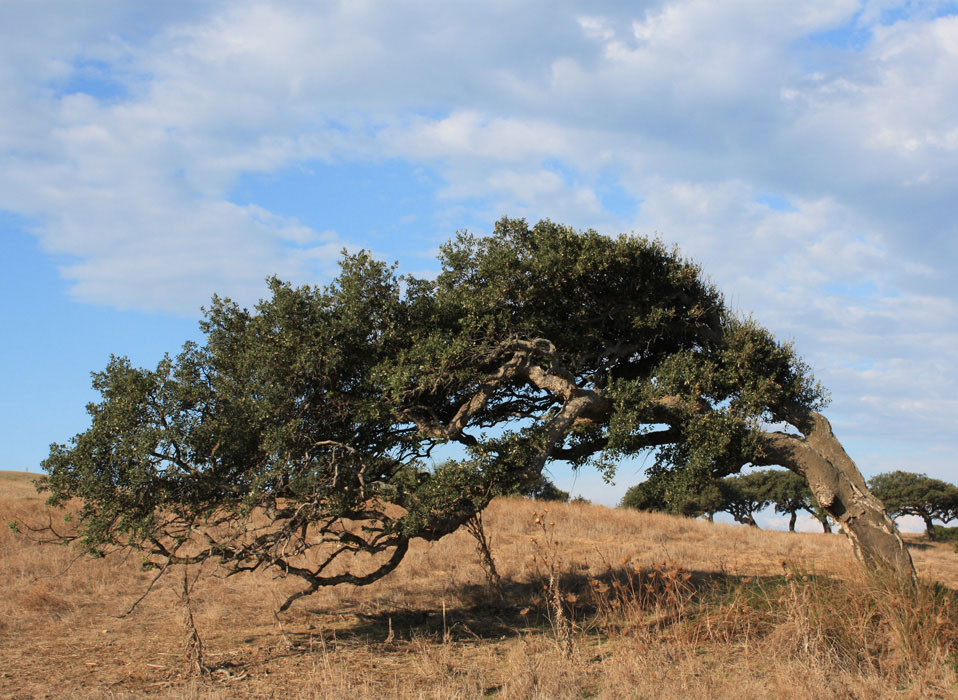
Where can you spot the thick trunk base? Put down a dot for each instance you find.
(841, 491)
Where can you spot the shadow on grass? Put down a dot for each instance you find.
(840, 618)
(523, 607)
(518, 610)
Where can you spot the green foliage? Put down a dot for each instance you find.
(789, 493)
(646, 495)
(308, 425)
(944, 533)
(746, 494)
(741, 496)
(542, 489)
(905, 493)
(670, 495)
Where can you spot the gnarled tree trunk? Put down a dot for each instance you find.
(840, 489)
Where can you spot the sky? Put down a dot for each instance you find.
(805, 154)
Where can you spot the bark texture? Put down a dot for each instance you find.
(841, 491)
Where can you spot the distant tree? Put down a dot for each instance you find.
(741, 496)
(746, 494)
(905, 493)
(653, 495)
(647, 495)
(789, 493)
(302, 432)
(710, 499)
(544, 490)
(662, 494)
(822, 517)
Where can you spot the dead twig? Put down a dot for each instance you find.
(149, 588)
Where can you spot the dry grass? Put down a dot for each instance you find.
(660, 607)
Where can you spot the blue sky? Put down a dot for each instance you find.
(806, 154)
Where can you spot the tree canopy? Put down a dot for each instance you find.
(747, 494)
(317, 425)
(905, 493)
(741, 496)
(661, 493)
(789, 493)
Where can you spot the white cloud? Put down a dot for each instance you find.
(697, 111)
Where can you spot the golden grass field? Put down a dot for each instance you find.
(660, 607)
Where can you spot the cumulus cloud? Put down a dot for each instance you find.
(803, 152)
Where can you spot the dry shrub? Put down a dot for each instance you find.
(537, 669)
(546, 555)
(873, 624)
(630, 597)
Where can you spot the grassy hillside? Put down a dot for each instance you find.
(16, 476)
(655, 607)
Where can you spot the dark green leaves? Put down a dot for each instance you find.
(305, 429)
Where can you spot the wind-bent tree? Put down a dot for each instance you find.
(904, 493)
(307, 429)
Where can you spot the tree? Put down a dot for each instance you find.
(659, 494)
(904, 493)
(542, 489)
(711, 499)
(645, 496)
(746, 494)
(789, 493)
(741, 496)
(304, 431)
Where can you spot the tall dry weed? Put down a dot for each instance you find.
(549, 565)
(873, 624)
(631, 597)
